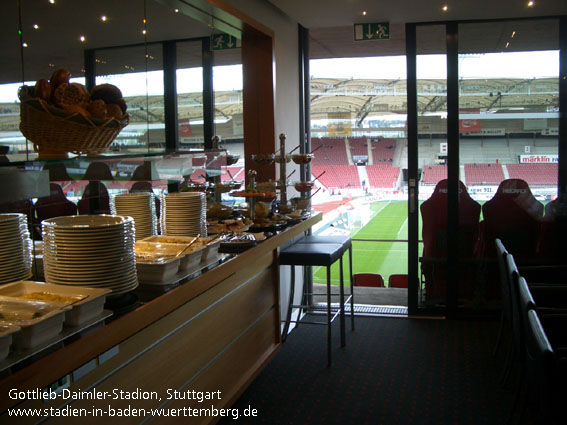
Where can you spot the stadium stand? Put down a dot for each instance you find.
(333, 151)
(483, 174)
(534, 174)
(382, 150)
(358, 146)
(382, 176)
(337, 176)
(433, 174)
(235, 172)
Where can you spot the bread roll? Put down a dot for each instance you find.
(113, 111)
(69, 94)
(42, 89)
(97, 108)
(107, 92)
(59, 77)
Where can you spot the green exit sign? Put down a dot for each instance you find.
(224, 42)
(378, 31)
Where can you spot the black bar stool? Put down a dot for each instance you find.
(346, 243)
(315, 254)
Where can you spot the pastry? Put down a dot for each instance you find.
(68, 94)
(107, 92)
(82, 90)
(113, 111)
(76, 109)
(42, 89)
(97, 108)
(59, 77)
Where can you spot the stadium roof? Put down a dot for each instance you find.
(360, 98)
(363, 98)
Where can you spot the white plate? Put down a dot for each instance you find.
(86, 221)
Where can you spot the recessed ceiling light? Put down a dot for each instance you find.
(176, 10)
(531, 3)
(364, 13)
(144, 32)
(445, 8)
(35, 26)
(103, 18)
(82, 38)
(25, 44)
(52, 1)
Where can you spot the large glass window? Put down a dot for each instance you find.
(141, 82)
(358, 120)
(508, 144)
(431, 74)
(228, 110)
(190, 95)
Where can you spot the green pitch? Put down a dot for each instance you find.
(388, 221)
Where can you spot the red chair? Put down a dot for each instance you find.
(95, 199)
(368, 279)
(398, 281)
(54, 205)
(434, 233)
(553, 240)
(514, 216)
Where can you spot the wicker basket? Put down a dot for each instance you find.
(55, 131)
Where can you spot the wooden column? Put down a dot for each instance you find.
(258, 93)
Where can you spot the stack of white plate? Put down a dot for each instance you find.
(184, 214)
(141, 207)
(15, 248)
(91, 250)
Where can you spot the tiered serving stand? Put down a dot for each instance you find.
(282, 159)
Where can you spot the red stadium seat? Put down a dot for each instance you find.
(553, 241)
(95, 199)
(514, 216)
(434, 233)
(369, 279)
(54, 205)
(398, 281)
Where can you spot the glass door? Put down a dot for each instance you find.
(483, 121)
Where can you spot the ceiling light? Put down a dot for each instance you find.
(531, 3)
(51, 65)
(445, 8)
(52, 1)
(103, 18)
(25, 44)
(507, 44)
(35, 26)
(82, 38)
(364, 13)
(513, 34)
(144, 32)
(176, 10)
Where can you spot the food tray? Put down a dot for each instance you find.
(158, 249)
(86, 303)
(34, 330)
(157, 271)
(6, 334)
(168, 239)
(191, 259)
(211, 251)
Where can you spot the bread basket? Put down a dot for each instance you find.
(56, 132)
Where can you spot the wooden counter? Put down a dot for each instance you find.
(213, 333)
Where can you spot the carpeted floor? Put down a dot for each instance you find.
(392, 371)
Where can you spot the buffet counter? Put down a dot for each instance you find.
(197, 346)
